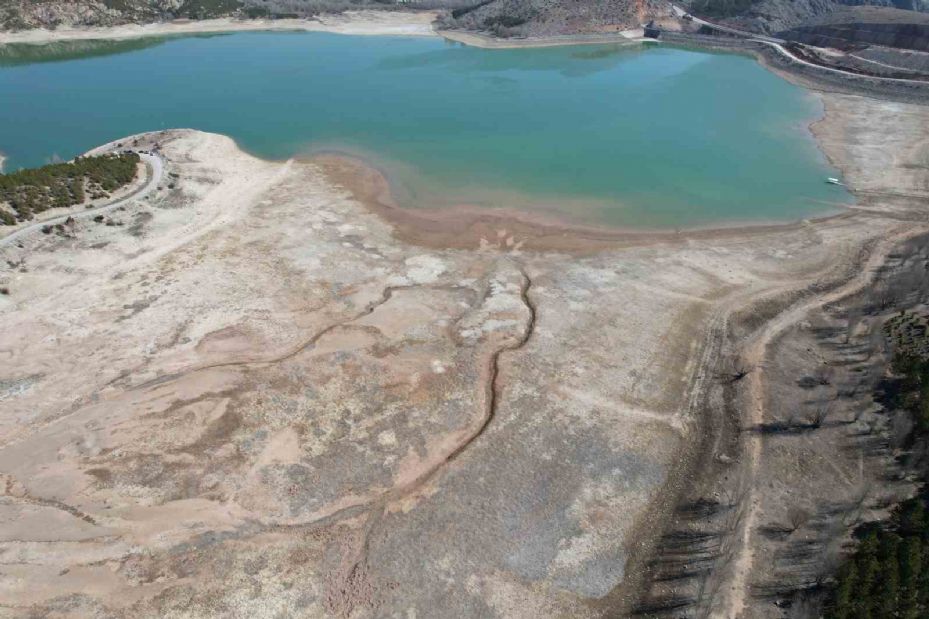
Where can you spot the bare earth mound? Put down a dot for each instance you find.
(257, 397)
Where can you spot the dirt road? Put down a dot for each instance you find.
(777, 44)
(155, 169)
(737, 591)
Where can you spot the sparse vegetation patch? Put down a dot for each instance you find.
(907, 333)
(887, 575)
(27, 192)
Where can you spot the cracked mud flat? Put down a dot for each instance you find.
(270, 400)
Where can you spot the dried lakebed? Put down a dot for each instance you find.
(259, 397)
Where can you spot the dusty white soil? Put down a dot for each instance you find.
(254, 398)
(476, 39)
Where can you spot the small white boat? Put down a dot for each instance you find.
(833, 181)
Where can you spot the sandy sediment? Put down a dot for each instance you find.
(272, 391)
(477, 39)
(467, 226)
(384, 23)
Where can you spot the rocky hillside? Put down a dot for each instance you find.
(772, 16)
(555, 17)
(504, 18)
(23, 14)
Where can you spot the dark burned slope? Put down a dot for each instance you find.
(777, 16)
(857, 27)
(843, 446)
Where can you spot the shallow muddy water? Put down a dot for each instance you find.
(630, 136)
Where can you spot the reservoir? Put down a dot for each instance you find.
(634, 136)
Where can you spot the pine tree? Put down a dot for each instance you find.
(888, 592)
(846, 593)
(910, 556)
(869, 569)
(922, 594)
(62, 184)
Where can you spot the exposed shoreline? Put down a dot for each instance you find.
(778, 265)
(846, 139)
(477, 39)
(464, 226)
(253, 272)
(470, 228)
(461, 225)
(368, 23)
(362, 23)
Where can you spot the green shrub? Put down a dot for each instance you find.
(32, 191)
(888, 574)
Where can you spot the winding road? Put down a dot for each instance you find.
(778, 44)
(680, 12)
(153, 162)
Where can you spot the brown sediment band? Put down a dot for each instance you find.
(469, 227)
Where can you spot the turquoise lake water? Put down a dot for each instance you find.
(630, 136)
